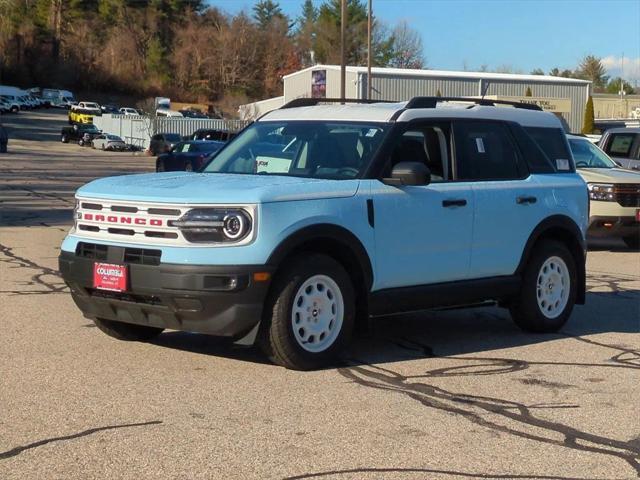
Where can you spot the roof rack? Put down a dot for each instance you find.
(310, 102)
(431, 102)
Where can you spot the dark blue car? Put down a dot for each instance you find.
(187, 156)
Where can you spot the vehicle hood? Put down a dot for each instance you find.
(215, 188)
(609, 175)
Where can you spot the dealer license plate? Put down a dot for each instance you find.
(107, 276)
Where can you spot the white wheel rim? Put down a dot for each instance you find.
(317, 313)
(553, 287)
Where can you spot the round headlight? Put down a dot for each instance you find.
(234, 225)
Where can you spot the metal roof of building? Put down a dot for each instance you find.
(446, 74)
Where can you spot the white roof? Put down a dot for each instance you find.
(383, 112)
(446, 74)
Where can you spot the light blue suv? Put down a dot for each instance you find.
(320, 216)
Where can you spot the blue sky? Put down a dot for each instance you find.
(522, 34)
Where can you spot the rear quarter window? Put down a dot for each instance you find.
(553, 144)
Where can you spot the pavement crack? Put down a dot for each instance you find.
(18, 450)
(491, 412)
(22, 262)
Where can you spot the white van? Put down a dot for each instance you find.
(58, 98)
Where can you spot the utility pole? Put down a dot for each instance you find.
(343, 68)
(369, 51)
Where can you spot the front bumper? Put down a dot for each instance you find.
(216, 300)
(613, 226)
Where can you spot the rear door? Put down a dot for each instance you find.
(508, 201)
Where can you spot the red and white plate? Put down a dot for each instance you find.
(108, 276)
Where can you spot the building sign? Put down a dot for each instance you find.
(319, 84)
(556, 105)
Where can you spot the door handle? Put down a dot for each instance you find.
(526, 200)
(460, 202)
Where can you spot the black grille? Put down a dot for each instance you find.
(627, 194)
(163, 211)
(125, 297)
(142, 256)
(91, 250)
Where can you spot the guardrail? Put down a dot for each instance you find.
(138, 129)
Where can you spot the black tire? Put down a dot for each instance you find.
(127, 331)
(81, 142)
(525, 309)
(15, 109)
(632, 241)
(64, 139)
(277, 338)
(188, 167)
(160, 166)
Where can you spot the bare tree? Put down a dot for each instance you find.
(407, 47)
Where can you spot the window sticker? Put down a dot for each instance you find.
(562, 164)
(272, 165)
(372, 132)
(480, 145)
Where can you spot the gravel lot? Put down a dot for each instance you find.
(440, 395)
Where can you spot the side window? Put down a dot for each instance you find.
(426, 144)
(552, 142)
(485, 151)
(620, 144)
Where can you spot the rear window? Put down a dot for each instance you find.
(621, 144)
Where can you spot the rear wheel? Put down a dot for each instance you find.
(632, 241)
(548, 291)
(309, 314)
(188, 167)
(127, 331)
(64, 139)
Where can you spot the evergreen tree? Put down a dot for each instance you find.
(537, 71)
(528, 92)
(265, 11)
(615, 85)
(588, 125)
(591, 68)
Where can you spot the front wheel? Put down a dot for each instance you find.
(127, 331)
(64, 139)
(548, 291)
(310, 313)
(632, 241)
(188, 167)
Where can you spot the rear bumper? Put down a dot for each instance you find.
(216, 300)
(613, 226)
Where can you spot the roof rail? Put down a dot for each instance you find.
(431, 102)
(310, 102)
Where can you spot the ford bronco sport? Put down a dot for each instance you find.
(319, 216)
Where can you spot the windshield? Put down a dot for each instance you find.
(315, 149)
(587, 155)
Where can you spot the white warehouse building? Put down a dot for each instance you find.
(566, 97)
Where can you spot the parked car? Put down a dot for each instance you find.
(187, 156)
(623, 146)
(109, 108)
(165, 112)
(128, 111)
(212, 134)
(83, 134)
(106, 141)
(163, 142)
(58, 98)
(192, 114)
(4, 139)
(12, 102)
(358, 211)
(614, 193)
(80, 116)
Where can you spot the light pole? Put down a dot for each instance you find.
(343, 68)
(369, 86)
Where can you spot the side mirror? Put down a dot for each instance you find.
(409, 173)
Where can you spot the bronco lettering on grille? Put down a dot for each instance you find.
(155, 222)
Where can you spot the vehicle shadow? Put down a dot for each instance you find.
(444, 333)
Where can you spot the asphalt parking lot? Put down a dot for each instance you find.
(440, 395)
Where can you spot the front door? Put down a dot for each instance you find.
(423, 233)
